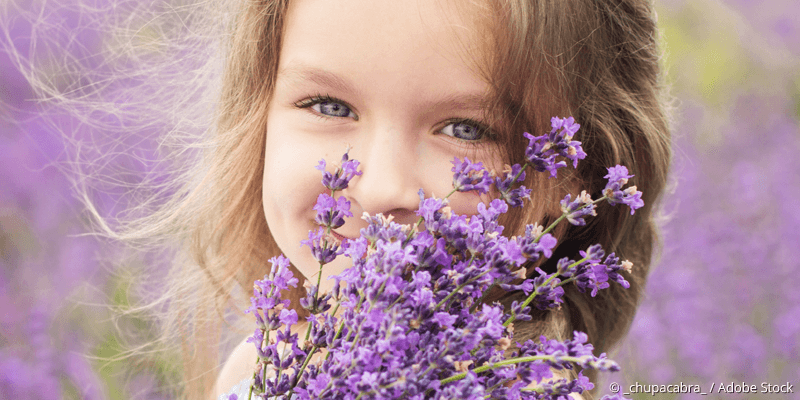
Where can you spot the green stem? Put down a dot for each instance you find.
(510, 361)
(521, 170)
(566, 281)
(536, 291)
(319, 274)
(549, 228)
(561, 218)
(250, 392)
(573, 265)
(300, 371)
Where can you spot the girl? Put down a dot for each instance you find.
(408, 86)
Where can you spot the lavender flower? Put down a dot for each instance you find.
(560, 389)
(330, 212)
(548, 292)
(324, 247)
(469, 176)
(579, 208)
(591, 274)
(542, 151)
(266, 293)
(512, 175)
(412, 323)
(618, 177)
(340, 178)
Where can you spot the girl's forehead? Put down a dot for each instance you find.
(360, 45)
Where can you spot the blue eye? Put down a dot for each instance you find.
(465, 130)
(332, 109)
(328, 107)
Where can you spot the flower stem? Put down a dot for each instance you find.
(536, 290)
(512, 361)
(549, 228)
(302, 368)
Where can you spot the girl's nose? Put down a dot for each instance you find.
(390, 179)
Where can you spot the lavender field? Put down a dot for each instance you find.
(721, 307)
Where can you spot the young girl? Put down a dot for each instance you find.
(408, 86)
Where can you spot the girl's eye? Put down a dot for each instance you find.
(328, 106)
(465, 130)
(332, 109)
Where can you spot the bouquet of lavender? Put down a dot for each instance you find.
(407, 320)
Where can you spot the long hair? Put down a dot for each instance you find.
(597, 60)
(600, 62)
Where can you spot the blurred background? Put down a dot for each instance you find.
(722, 304)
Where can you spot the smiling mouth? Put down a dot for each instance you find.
(338, 236)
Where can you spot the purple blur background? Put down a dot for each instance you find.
(722, 304)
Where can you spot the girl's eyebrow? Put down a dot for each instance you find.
(303, 73)
(300, 73)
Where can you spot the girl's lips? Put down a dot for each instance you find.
(340, 237)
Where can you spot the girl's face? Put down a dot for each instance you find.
(394, 80)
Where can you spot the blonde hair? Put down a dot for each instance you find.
(597, 60)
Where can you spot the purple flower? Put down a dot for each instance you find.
(340, 178)
(318, 384)
(288, 317)
(314, 303)
(526, 287)
(618, 174)
(490, 215)
(512, 175)
(579, 208)
(561, 388)
(593, 254)
(468, 176)
(330, 212)
(534, 244)
(382, 228)
(282, 276)
(613, 268)
(444, 319)
(540, 156)
(547, 295)
(617, 177)
(411, 323)
(542, 151)
(266, 293)
(592, 274)
(592, 277)
(324, 247)
(539, 372)
(430, 208)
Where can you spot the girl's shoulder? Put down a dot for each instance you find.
(241, 391)
(238, 367)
